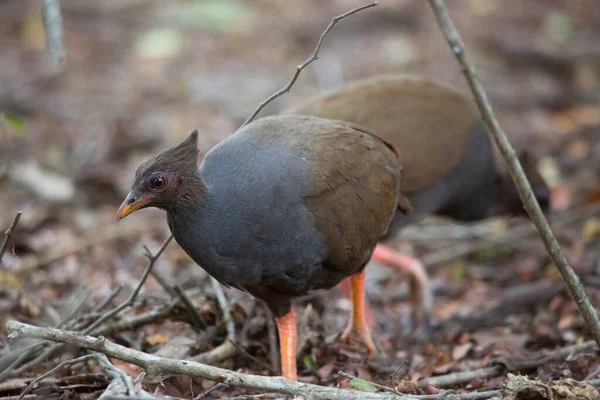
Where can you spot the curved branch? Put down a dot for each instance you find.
(532, 207)
(160, 365)
(313, 57)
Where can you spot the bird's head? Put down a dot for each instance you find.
(167, 181)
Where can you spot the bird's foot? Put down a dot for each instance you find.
(353, 334)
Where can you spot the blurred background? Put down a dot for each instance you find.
(142, 74)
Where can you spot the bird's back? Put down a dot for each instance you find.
(429, 122)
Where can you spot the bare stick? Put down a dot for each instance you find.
(447, 394)
(129, 302)
(456, 378)
(273, 340)
(104, 364)
(522, 362)
(53, 25)
(110, 298)
(208, 391)
(227, 348)
(524, 188)
(254, 359)
(9, 232)
(159, 365)
(195, 317)
(314, 56)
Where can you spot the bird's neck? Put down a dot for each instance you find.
(192, 191)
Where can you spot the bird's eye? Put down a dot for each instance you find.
(158, 182)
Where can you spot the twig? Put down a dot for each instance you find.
(251, 357)
(262, 396)
(244, 331)
(110, 298)
(314, 56)
(79, 303)
(439, 396)
(512, 237)
(9, 232)
(475, 395)
(134, 321)
(523, 362)
(208, 391)
(41, 357)
(222, 300)
(129, 302)
(524, 188)
(227, 348)
(273, 340)
(53, 26)
(159, 365)
(196, 318)
(104, 364)
(34, 348)
(164, 283)
(457, 378)
(90, 238)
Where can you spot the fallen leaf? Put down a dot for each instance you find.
(361, 384)
(459, 352)
(157, 338)
(310, 363)
(591, 229)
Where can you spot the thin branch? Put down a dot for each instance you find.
(102, 361)
(196, 318)
(313, 57)
(521, 363)
(91, 328)
(9, 232)
(227, 348)
(244, 331)
(447, 394)
(273, 340)
(571, 279)
(208, 391)
(457, 378)
(53, 25)
(129, 302)
(110, 298)
(159, 365)
(254, 359)
(224, 305)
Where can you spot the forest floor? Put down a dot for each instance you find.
(141, 75)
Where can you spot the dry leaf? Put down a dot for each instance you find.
(157, 338)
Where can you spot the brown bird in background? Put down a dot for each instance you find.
(450, 166)
(286, 205)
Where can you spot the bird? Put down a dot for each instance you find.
(286, 205)
(451, 168)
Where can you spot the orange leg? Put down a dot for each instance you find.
(346, 289)
(357, 326)
(286, 327)
(421, 297)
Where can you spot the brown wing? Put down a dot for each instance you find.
(354, 193)
(427, 121)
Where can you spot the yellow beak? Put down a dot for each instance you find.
(131, 204)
